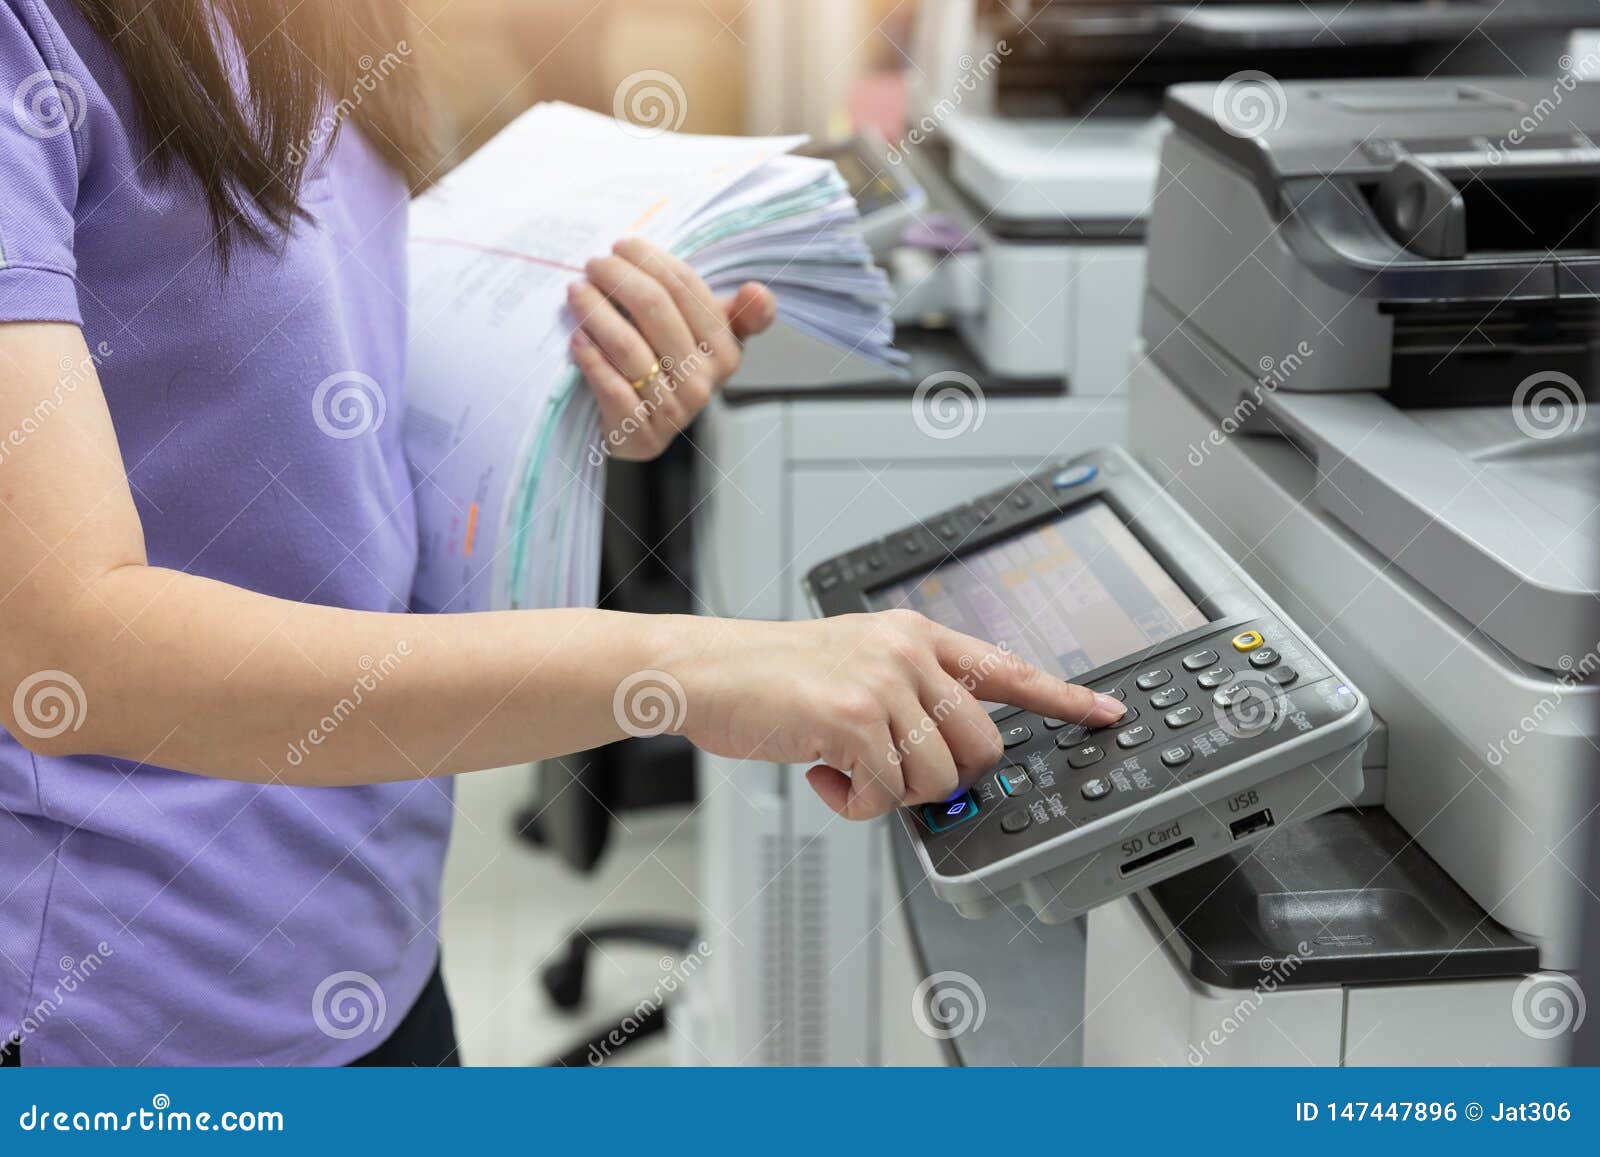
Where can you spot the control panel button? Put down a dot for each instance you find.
(1150, 680)
(1015, 821)
(1003, 713)
(1232, 694)
(1096, 789)
(1199, 660)
(1074, 476)
(1214, 678)
(910, 544)
(1183, 716)
(1129, 714)
(1084, 756)
(941, 817)
(1177, 755)
(1072, 736)
(826, 583)
(1247, 640)
(1134, 736)
(1013, 780)
(1055, 724)
(1168, 697)
(1282, 676)
(1015, 734)
(1263, 658)
(1116, 693)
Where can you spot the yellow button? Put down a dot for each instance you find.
(1247, 641)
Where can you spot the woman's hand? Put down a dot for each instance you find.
(654, 342)
(887, 706)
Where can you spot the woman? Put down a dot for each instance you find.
(192, 575)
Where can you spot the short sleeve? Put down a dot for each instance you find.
(38, 170)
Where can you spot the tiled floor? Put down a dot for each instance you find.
(508, 906)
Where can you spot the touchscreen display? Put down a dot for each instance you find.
(1067, 596)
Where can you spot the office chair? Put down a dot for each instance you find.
(645, 565)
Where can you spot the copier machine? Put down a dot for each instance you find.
(1046, 121)
(1370, 341)
(1019, 311)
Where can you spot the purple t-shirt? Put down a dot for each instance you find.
(148, 916)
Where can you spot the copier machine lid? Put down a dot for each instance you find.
(1058, 172)
(1495, 509)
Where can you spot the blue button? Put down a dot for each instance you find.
(941, 817)
(1074, 476)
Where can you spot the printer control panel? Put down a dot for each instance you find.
(1190, 712)
(1235, 721)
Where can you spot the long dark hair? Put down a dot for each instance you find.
(247, 139)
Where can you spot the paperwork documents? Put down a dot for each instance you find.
(501, 433)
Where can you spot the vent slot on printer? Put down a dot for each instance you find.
(1499, 213)
(1483, 350)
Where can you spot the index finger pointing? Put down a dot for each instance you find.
(994, 673)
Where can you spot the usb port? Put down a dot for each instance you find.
(1165, 852)
(1251, 824)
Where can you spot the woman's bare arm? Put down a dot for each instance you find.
(180, 671)
(102, 653)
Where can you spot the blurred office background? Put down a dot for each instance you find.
(744, 66)
(755, 66)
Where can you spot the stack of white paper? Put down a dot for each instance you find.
(502, 436)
